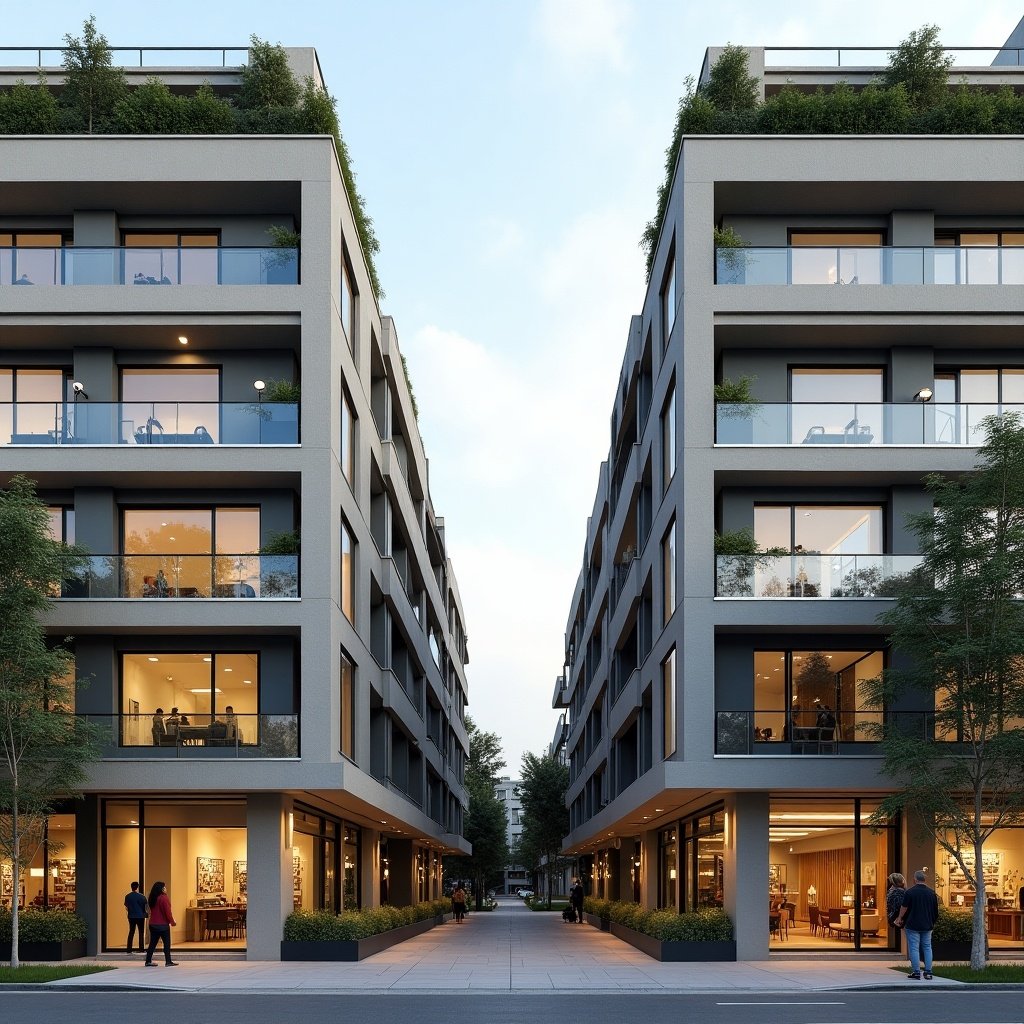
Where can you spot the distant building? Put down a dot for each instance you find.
(507, 791)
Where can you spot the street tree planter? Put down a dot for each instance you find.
(69, 949)
(350, 951)
(674, 952)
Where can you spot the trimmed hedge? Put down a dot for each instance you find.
(43, 926)
(351, 925)
(954, 926)
(707, 925)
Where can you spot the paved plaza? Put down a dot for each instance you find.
(511, 949)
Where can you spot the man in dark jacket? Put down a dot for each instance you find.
(138, 911)
(576, 899)
(918, 915)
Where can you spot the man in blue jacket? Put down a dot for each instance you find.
(918, 915)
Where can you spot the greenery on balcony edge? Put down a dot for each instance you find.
(351, 925)
(709, 924)
(96, 99)
(912, 97)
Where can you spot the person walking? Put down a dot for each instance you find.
(138, 911)
(576, 899)
(459, 904)
(918, 915)
(160, 921)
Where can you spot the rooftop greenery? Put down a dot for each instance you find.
(912, 97)
(96, 99)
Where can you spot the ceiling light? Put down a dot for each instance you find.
(229, 669)
(248, 682)
(207, 659)
(205, 689)
(182, 340)
(152, 659)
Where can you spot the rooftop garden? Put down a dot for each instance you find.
(911, 97)
(95, 98)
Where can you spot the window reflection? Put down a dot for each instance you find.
(837, 405)
(165, 404)
(177, 257)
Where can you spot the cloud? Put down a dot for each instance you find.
(585, 33)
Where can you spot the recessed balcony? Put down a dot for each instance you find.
(865, 265)
(149, 423)
(843, 733)
(812, 575)
(132, 265)
(172, 576)
(206, 737)
(854, 423)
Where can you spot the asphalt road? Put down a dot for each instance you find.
(918, 1007)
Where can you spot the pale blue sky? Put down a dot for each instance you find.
(509, 154)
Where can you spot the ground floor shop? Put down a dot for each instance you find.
(234, 867)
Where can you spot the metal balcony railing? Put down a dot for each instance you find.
(811, 575)
(106, 577)
(148, 423)
(172, 265)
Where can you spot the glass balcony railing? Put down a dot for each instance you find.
(854, 423)
(847, 265)
(781, 731)
(813, 575)
(180, 265)
(209, 736)
(149, 423)
(108, 577)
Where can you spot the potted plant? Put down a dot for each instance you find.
(735, 408)
(730, 257)
(279, 565)
(953, 935)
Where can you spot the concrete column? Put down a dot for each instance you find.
(96, 227)
(87, 885)
(649, 869)
(270, 873)
(369, 868)
(746, 872)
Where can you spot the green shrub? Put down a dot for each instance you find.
(954, 926)
(631, 915)
(29, 110)
(43, 926)
(267, 80)
(597, 907)
(151, 109)
(730, 85)
(325, 926)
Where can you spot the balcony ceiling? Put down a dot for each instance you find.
(872, 331)
(155, 334)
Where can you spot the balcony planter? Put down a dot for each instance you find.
(352, 950)
(721, 951)
(69, 949)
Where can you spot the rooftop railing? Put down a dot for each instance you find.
(812, 575)
(124, 265)
(855, 423)
(197, 736)
(863, 265)
(245, 576)
(149, 423)
(878, 56)
(131, 56)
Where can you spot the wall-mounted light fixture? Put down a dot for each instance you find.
(79, 391)
(672, 874)
(289, 829)
(182, 340)
(924, 395)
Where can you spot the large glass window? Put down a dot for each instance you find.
(171, 257)
(668, 867)
(348, 724)
(836, 257)
(668, 690)
(836, 405)
(170, 698)
(30, 257)
(981, 257)
(668, 573)
(197, 552)
(348, 583)
(348, 302)
(32, 405)
(49, 880)
(814, 697)
(668, 440)
(963, 398)
(668, 300)
(170, 405)
(348, 439)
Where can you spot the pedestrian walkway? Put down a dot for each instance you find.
(509, 949)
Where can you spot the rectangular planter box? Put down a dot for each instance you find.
(951, 951)
(70, 950)
(356, 949)
(595, 921)
(677, 952)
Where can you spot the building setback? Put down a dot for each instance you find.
(715, 712)
(282, 730)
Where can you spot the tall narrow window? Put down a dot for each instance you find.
(347, 573)
(348, 723)
(348, 302)
(668, 702)
(668, 440)
(668, 573)
(348, 439)
(668, 301)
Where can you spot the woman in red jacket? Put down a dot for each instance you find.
(160, 921)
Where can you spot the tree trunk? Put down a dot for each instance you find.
(979, 951)
(16, 880)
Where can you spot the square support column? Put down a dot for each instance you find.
(746, 872)
(269, 856)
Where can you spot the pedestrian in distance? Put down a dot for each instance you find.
(459, 904)
(138, 910)
(918, 915)
(161, 920)
(576, 899)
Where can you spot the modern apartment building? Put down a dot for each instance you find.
(714, 738)
(516, 876)
(283, 730)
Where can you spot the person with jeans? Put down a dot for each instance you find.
(160, 921)
(138, 911)
(918, 915)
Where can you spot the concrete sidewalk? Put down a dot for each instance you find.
(509, 949)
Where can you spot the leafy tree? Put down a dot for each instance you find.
(545, 816)
(921, 66)
(959, 624)
(44, 747)
(486, 823)
(151, 109)
(730, 86)
(28, 109)
(92, 85)
(268, 79)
